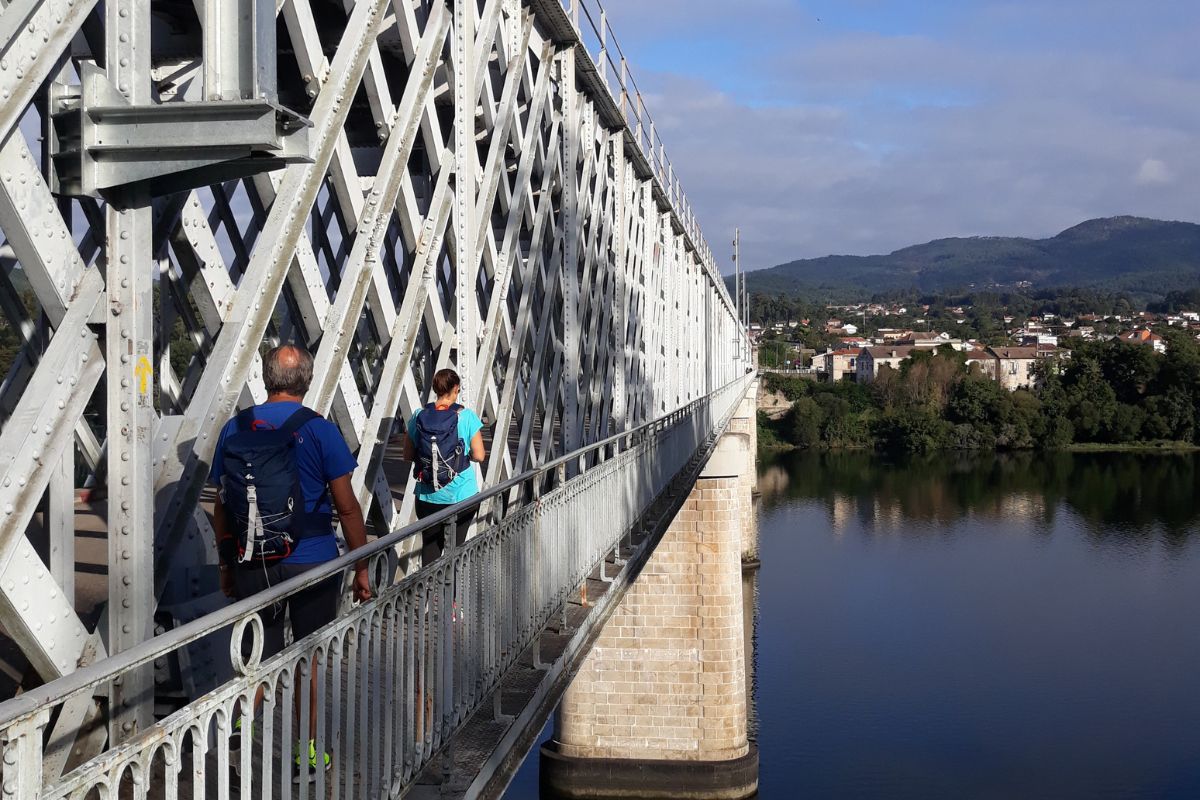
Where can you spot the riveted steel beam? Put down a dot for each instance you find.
(480, 195)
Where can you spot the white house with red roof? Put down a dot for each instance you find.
(1144, 336)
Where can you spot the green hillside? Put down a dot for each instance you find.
(1143, 256)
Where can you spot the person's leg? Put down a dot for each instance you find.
(464, 521)
(250, 579)
(311, 610)
(432, 542)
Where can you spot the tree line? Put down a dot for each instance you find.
(986, 305)
(1105, 393)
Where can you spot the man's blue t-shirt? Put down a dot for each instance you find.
(465, 483)
(321, 456)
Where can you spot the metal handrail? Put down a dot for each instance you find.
(87, 678)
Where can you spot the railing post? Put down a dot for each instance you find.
(22, 748)
(446, 622)
(602, 57)
(624, 78)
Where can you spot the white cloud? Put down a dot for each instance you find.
(817, 139)
(1153, 172)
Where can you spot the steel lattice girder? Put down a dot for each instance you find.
(473, 198)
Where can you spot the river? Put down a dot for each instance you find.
(1016, 626)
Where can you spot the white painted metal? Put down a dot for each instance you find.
(482, 191)
(129, 357)
(396, 677)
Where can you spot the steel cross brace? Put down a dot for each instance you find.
(230, 359)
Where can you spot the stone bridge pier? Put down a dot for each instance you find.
(659, 707)
(745, 421)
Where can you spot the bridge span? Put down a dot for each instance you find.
(401, 186)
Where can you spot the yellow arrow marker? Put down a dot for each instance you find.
(143, 372)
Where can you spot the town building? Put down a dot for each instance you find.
(1144, 336)
(840, 364)
(1014, 366)
(871, 359)
(985, 361)
(1033, 339)
(926, 340)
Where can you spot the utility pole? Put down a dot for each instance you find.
(743, 293)
(739, 293)
(737, 279)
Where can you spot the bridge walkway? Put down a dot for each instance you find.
(530, 590)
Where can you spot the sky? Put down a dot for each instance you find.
(863, 126)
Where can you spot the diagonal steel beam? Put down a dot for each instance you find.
(180, 477)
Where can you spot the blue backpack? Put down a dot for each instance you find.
(261, 488)
(441, 452)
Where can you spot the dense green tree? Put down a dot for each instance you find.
(774, 354)
(977, 401)
(806, 417)
(914, 430)
(1126, 424)
(1130, 369)
(843, 425)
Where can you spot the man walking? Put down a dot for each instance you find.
(282, 469)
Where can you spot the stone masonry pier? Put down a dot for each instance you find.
(659, 706)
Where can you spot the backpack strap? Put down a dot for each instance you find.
(308, 523)
(298, 420)
(245, 419)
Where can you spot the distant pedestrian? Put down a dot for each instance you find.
(444, 438)
(282, 469)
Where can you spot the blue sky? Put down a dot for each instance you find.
(862, 126)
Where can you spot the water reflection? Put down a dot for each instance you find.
(750, 632)
(978, 626)
(1114, 494)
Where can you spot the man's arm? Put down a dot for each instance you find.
(354, 528)
(226, 548)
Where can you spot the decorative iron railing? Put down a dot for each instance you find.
(392, 678)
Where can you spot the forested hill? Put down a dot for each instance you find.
(1143, 256)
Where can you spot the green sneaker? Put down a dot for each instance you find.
(235, 738)
(312, 761)
(235, 743)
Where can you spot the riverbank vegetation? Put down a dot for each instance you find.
(1108, 393)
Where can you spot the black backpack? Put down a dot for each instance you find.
(441, 452)
(261, 488)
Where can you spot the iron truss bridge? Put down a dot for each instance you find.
(402, 186)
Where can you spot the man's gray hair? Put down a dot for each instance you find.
(289, 369)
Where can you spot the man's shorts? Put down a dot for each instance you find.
(310, 609)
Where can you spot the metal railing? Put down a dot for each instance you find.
(392, 678)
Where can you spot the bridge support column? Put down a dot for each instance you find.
(745, 420)
(659, 707)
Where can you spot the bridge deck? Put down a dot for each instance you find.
(487, 744)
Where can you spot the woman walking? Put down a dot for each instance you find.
(443, 440)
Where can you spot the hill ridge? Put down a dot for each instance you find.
(1121, 253)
